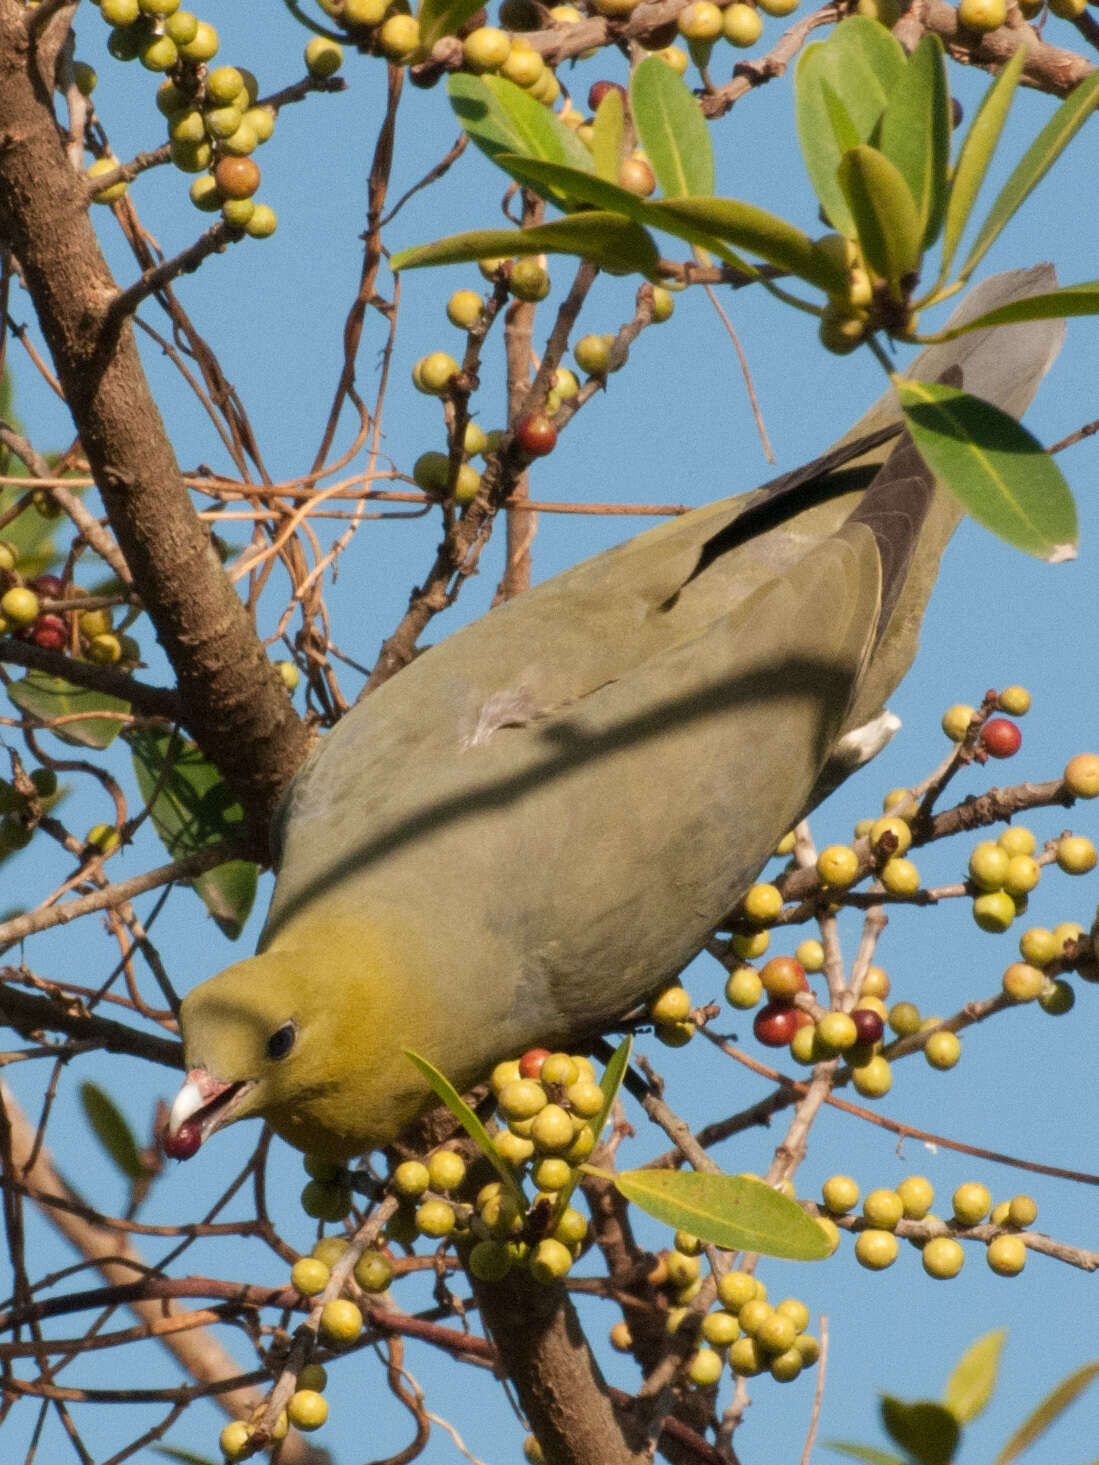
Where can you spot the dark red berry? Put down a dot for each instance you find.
(868, 1024)
(599, 90)
(776, 1023)
(47, 587)
(1000, 738)
(536, 435)
(50, 632)
(184, 1143)
(530, 1065)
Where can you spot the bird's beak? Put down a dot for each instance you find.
(203, 1104)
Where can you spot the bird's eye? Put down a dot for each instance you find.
(280, 1043)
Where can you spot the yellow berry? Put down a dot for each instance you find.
(1022, 1210)
(890, 836)
(1076, 854)
(234, 1439)
(1023, 982)
(340, 1321)
(811, 955)
(329, 1249)
(309, 1276)
(1016, 839)
(837, 865)
(1014, 700)
(971, 1203)
(1082, 775)
(1006, 1255)
(673, 1005)
(956, 721)
(943, 1257)
(762, 904)
(875, 1249)
(899, 877)
(307, 1410)
(744, 988)
(873, 1080)
(749, 946)
(943, 1049)
(917, 1196)
(994, 911)
(840, 1194)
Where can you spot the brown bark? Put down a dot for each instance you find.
(235, 705)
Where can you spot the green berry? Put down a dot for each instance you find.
(720, 1329)
(238, 212)
(873, 1079)
(1023, 874)
(529, 279)
(326, 1202)
(160, 54)
(747, 1358)
(435, 1218)
(994, 911)
(785, 1367)
(329, 1249)
(971, 1203)
(943, 1257)
(840, 1194)
(203, 46)
(550, 1261)
(1057, 998)
(883, 1208)
(943, 1049)
(752, 1314)
(836, 1032)
(593, 354)
(85, 78)
(749, 945)
(263, 222)
(373, 1271)
(192, 157)
(734, 1289)
(585, 1098)
(673, 1005)
(551, 1129)
(323, 57)
(776, 1333)
(434, 373)
(105, 195)
(307, 1410)
(663, 305)
(675, 1034)
(182, 27)
(1038, 946)
(875, 1249)
(486, 48)
(119, 12)
(313, 1376)
(521, 1098)
(446, 1170)
(464, 309)
(490, 1261)
(899, 877)
(411, 1179)
(341, 1322)
(309, 1276)
(572, 1228)
(796, 1310)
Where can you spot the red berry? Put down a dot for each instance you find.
(777, 1022)
(530, 1065)
(784, 976)
(47, 587)
(599, 90)
(868, 1025)
(184, 1143)
(536, 435)
(50, 632)
(1000, 738)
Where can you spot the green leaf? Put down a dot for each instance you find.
(611, 1082)
(994, 467)
(586, 188)
(48, 697)
(439, 18)
(753, 229)
(607, 239)
(1055, 1403)
(1036, 162)
(859, 65)
(926, 1430)
(112, 1130)
(192, 809)
(672, 130)
(729, 1210)
(449, 1095)
(501, 117)
(976, 154)
(973, 1382)
(1080, 299)
(608, 133)
(915, 134)
(886, 221)
(864, 1452)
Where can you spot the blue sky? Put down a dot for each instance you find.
(674, 426)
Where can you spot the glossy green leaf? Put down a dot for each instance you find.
(449, 1095)
(608, 135)
(973, 1381)
(608, 240)
(672, 130)
(860, 64)
(914, 134)
(192, 809)
(1036, 162)
(729, 1210)
(586, 188)
(48, 697)
(112, 1130)
(976, 154)
(501, 117)
(993, 466)
(866, 1453)
(1080, 299)
(611, 1082)
(752, 229)
(1054, 1404)
(439, 18)
(925, 1429)
(886, 219)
